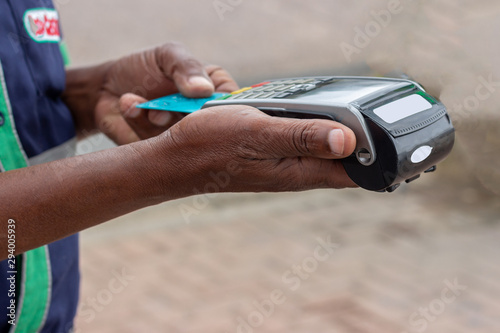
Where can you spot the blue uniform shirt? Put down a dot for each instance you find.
(34, 121)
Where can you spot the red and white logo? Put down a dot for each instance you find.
(42, 24)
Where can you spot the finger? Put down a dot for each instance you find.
(308, 137)
(311, 172)
(187, 72)
(143, 124)
(111, 122)
(269, 137)
(117, 129)
(222, 80)
(335, 176)
(164, 119)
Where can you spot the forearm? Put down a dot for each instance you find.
(54, 200)
(83, 89)
(222, 149)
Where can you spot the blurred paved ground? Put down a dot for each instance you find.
(390, 269)
(424, 259)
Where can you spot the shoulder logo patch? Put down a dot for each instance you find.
(42, 25)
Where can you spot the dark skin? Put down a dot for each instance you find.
(163, 156)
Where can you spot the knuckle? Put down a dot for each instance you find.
(299, 174)
(106, 125)
(185, 66)
(190, 62)
(303, 135)
(168, 55)
(211, 69)
(126, 100)
(171, 45)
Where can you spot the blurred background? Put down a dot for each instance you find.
(423, 259)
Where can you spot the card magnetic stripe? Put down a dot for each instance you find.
(35, 289)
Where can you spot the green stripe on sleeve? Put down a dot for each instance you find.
(35, 289)
(11, 152)
(65, 53)
(34, 305)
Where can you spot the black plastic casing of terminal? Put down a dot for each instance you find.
(396, 143)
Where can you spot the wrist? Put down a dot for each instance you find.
(178, 169)
(158, 172)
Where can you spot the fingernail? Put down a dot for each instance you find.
(161, 118)
(200, 81)
(132, 111)
(336, 141)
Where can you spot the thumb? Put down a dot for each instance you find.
(145, 123)
(127, 105)
(195, 85)
(312, 137)
(188, 74)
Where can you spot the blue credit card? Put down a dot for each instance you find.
(179, 103)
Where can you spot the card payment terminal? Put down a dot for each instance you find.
(401, 131)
